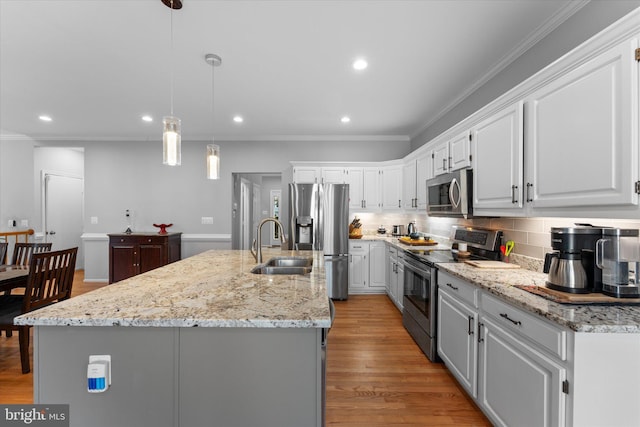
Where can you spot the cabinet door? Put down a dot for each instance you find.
(441, 158)
(358, 267)
(459, 150)
(392, 188)
(124, 261)
(409, 185)
(306, 174)
(457, 324)
(399, 285)
(151, 255)
(355, 179)
(371, 189)
(377, 265)
(581, 135)
(424, 171)
(336, 175)
(391, 260)
(518, 386)
(497, 147)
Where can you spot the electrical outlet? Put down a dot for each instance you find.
(207, 220)
(94, 220)
(24, 223)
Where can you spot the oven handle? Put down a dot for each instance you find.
(455, 202)
(426, 273)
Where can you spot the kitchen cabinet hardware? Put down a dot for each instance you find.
(529, 187)
(565, 386)
(444, 163)
(637, 187)
(638, 54)
(470, 325)
(514, 191)
(455, 288)
(450, 161)
(506, 316)
(399, 203)
(480, 339)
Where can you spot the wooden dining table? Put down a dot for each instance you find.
(13, 276)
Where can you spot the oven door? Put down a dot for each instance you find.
(419, 294)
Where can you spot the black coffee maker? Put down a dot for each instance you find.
(572, 268)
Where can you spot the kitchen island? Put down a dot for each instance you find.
(202, 341)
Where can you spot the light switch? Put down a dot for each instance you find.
(94, 220)
(24, 223)
(207, 220)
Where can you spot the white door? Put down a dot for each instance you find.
(274, 199)
(62, 202)
(245, 215)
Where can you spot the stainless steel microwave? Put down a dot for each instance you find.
(451, 194)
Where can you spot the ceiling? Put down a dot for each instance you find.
(97, 66)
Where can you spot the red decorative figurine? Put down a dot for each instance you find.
(162, 227)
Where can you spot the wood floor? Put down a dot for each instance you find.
(376, 375)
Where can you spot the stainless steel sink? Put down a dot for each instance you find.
(285, 265)
(290, 261)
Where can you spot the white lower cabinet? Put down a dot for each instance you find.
(395, 276)
(513, 364)
(457, 323)
(518, 385)
(367, 271)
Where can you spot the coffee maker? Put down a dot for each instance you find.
(618, 255)
(572, 266)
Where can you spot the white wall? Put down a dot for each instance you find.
(16, 182)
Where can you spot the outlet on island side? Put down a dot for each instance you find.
(207, 220)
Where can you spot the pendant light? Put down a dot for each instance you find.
(171, 127)
(213, 150)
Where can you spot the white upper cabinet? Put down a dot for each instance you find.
(307, 174)
(414, 181)
(452, 154)
(392, 188)
(497, 148)
(364, 188)
(334, 175)
(581, 135)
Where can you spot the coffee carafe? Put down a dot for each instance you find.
(618, 255)
(571, 267)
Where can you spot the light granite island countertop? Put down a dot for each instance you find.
(202, 341)
(211, 289)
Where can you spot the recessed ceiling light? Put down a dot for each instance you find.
(345, 119)
(147, 118)
(45, 118)
(238, 119)
(360, 64)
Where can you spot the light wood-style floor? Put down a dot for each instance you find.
(376, 374)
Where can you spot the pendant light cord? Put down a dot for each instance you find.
(213, 102)
(171, 59)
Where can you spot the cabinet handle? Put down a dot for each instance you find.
(506, 316)
(455, 288)
(529, 187)
(480, 339)
(399, 203)
(450, 163)
(444, 163)
(514, 191)
(470, 328)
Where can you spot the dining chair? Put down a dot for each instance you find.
(22, 252)
(50, 281)
(3, 252)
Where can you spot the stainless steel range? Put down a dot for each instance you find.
(420, 299)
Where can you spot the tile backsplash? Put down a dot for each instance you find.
(531, 235)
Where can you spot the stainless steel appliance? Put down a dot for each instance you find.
(571, 267)
(419, 313)
(618, 256)
(319, 220)
(451, 194)
(398, 230)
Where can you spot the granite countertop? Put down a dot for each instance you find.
(211, 289)
(579, 318)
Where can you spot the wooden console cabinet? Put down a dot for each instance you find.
(135, 253)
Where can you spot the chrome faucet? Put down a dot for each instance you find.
(257, 242)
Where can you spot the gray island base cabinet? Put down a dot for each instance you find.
(187, 377)
(200, 342)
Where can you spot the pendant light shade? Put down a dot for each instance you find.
(213, 161)
(213, 151)
(171, 128)
(171, 141)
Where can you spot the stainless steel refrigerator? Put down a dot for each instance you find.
(319, 220)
